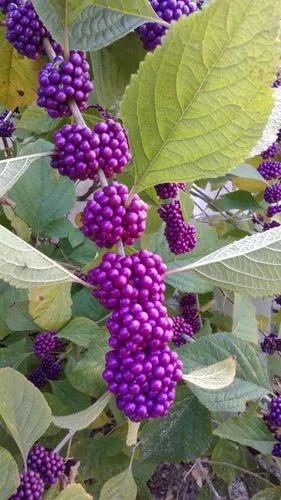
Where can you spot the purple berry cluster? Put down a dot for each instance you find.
(25, 31)
(272, 151)
(106, 219)
(181, 236)
(271, 344)
(272, 194)
(273, 416)
(4, 4)
(7, 128)
(63, 80)
(182, 331)
(75, 153)
(47, 463)
(188, 322)
(169, 10)
(31, 487)
(122, 280)
(271, 171)
(169, 190)
(114, 151)
(45, 347)
(141, 369)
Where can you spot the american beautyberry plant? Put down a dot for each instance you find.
(140, 243)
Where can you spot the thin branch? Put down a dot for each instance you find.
(65, 440)
(208, 480)
(241, 469)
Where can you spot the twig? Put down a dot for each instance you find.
(6, 146)
(241, 469)
(65, 440)
(208, 480)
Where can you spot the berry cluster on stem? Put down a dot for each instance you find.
(46, 346)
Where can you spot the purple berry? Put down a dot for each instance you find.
(75, 153)
(270, 169)
(144, 381)
(273, 416)
(38, 377)
(4, 4)
(106, 219)
(277, 82)
(278, 300)
(31, 487)
(7, 128)
(120, 280)
(273, 210)
(270, 225)
(113, 153)
(169, 190)
(181, 330)
(181, 237)
(168, 10)
(45, 343)
(58, 83)
(271, 344)
(272, 194)
(25, 31)
(272, 151)
(49, 464)
(188, 304)
(52, 367)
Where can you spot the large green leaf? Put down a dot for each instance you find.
(120, 487)
(248, 430)
(251, 380)
(249, 266)
(23, 409)
(9, 475)
(42, 196)
(93, 25)
(81, 420)
(226, 451)
(23, 266)
(183, 435)
(13, 168)
(187, 113)
(113, 67)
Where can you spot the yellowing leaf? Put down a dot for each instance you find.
(214, 377)
(250, 185)
(100, 421)
(50, 306)
(74, 492)
(120, 487)
(188, 115)
(18, 76)
(18, 224)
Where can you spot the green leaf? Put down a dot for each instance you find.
(113, 67)
(50, 306)
(120, 487)
(84, 304)
(215, 376)
(36, 120)
(68, 396)
(23, 266)
(183, 435)
(251, 380)
(82, 419)
(42, 196)
(80, 331)
(249, 266)
(274, 364)
(226, 451)
(8, 357)
(247, 430)
(202, 119)
(86, 374)
(93, 25)
(74, 492)
(13, 168)
(244, 319)
(241, 200)
(9, 475)
(268, 494)
(23, 409)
